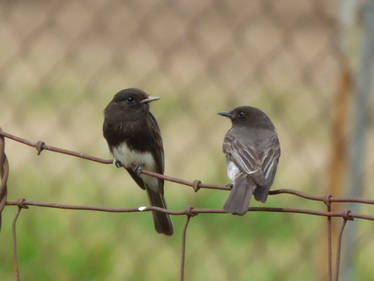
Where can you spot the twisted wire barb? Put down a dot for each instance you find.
(189, 212)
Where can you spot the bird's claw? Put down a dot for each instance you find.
(230, 185)
(117, 163)
(138, 169)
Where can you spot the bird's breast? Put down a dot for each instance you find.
(129, 157)
(232, 170)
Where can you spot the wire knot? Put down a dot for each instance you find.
(189, 212)
(347, 215)
(327, 200)
(21, 203)
(196, 185)
(39, 146)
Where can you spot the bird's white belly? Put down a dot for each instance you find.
(129, 157)
(232, 170)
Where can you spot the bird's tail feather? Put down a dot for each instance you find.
(261, 193)
(162, 221)
(238, 201)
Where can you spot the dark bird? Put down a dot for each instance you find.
(134, 139)
(252, 154)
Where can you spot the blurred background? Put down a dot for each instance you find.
(307, 64)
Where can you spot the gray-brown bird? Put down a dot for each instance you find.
(252, 154)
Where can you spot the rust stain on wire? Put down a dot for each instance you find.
(196, 185)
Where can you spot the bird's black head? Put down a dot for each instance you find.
(250, 116)
(130, 102)
(132, 98)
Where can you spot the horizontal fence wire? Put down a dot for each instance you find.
(189, 212)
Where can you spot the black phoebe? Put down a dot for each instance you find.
(252, 153)
(134, 139)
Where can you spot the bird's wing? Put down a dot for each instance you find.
(259, 161)
(270, 159)
(158, 150)
(136, 178)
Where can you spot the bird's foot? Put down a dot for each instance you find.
(117, 163)
(230, 185)
(138, 169)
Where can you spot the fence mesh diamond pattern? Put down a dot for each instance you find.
(62, 61)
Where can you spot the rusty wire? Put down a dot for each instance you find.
(189, 212)
(4, 173)
(183, 255)
(15, 257)
(329, 238)
(338, 253)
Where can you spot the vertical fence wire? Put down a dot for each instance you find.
(15, 256)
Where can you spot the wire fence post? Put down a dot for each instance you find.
(340, 109)
(362, 89)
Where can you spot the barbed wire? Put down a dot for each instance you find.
(189, 212)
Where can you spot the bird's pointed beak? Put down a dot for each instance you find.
(225, 114)
(149, 99)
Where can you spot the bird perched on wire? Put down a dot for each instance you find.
(252, 154)
(134, 139)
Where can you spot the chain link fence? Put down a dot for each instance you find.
(61, 63)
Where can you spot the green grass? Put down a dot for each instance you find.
(69, 245)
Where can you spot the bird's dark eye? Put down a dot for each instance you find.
(130, 99)
(241, 114)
